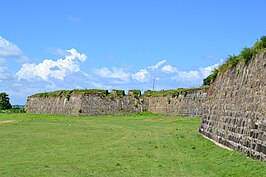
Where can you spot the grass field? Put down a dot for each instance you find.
(131, 145)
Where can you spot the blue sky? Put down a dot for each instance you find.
(120, 44)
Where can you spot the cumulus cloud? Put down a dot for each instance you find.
(169, 74)
(141, 75)
(169, 69)
(49, 68)
(188, 76)
(100, 86)
(207, 70)
(57, 51)
(145, 75)
(4, 73)
(10, 50)
(197, 75)
(157, 65)
(114, 73)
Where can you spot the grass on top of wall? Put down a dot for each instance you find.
(67, 93)
(173, 92)
(136, 93)
(129, 145)
(246, 55)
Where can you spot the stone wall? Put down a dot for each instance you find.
(84, 104)
(192, 103)
(236, 109)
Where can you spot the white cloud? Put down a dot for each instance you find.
(100, 86)
(170, 75)
(145, 75)
(188, 76)
(57, 51)
(4, 73)
(114, 73)
(207, 70)
(10, 50)
(169, 69)
(141, 76)
(64, 73)
(49, 68)
(157, 65)
(2, 62)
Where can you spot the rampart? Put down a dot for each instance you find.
(186, 102)
(236, 109)
(190, 102)
(85, 104)
(233, 108)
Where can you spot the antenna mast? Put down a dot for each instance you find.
(153, 84)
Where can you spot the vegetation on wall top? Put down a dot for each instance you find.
(118, 92)
(245, 56)
(67, 93)
(172, 93)
(135, 93)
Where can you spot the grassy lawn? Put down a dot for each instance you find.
(131, 145)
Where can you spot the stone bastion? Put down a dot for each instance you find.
(233, 107)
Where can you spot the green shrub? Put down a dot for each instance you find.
(211, 78)
(170, 93)
(135, 93)
(247, 54)
(222, 68)
(118, 92)
(68, 93)
(14, 109)
(147, 93)
(232, 61)
(260, 45)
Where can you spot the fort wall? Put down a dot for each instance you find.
(192, 103)
(85, 104)
(233, 108)
(235, 113)
(189, 103)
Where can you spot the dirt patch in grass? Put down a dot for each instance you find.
(6, 121)
(218, 144)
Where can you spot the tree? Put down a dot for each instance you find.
(4, 101)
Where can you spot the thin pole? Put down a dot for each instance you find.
(153, 84)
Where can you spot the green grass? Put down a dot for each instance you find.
(173, 92)
(130, 145)
(67, 93)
